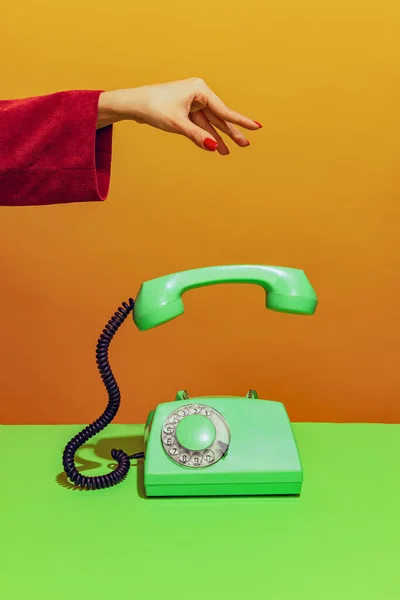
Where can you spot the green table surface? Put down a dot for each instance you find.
(339, 540)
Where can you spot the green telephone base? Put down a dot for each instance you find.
(221, 446)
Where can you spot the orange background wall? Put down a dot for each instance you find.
(318, 189)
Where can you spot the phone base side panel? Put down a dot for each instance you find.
(247, 489)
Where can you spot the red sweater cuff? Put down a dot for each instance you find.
(51, 152)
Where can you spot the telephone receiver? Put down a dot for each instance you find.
(201, 447)
(160, 300)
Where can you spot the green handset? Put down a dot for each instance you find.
(160, 300)
(207, 445)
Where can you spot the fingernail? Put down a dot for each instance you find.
(210, 144)
(257, 123)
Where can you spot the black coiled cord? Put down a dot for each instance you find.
(114, 398)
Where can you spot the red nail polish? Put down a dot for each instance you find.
(209, 144)
(257, 123)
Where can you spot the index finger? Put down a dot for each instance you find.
(220, 109)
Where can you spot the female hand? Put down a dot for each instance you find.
(187, 107)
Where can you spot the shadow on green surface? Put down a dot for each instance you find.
(102, 450)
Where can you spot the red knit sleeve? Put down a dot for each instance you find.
(51, 152)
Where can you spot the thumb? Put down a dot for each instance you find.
(197, 135)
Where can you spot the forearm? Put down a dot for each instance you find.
(109, 110)
(121, 105)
